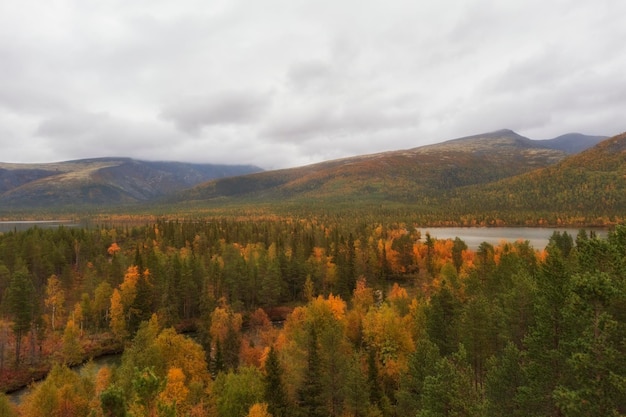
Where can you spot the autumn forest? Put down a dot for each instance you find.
(313, 316)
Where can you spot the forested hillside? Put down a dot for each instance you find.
(406, 176)
(377, 320)
(586, 188)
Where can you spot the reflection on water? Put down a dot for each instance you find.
(538, 237)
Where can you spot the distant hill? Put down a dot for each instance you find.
(102, 181)
(572, 143)
(406, 175)
(495, 171)
(589, 185)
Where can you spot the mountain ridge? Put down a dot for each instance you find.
(416, 175)
(102, 181)
(413, 172)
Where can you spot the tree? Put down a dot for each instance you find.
(63, 393)
(72, 351)
(102, 303)
(457, 253)
(55, 299)
(310, 392)
(259, 410)
(175, 393)
(333, 361)
(449, 391)
(20, 302)
(275, 393)
(146, 388)
(421, 365)
(112, 402)
(237, 392)
(547, 340)
(373, 380)
(118, 319)
(595, 382)
(442, 318)
(225, 330)
(356, 389)
(6, 408)
(504, 378)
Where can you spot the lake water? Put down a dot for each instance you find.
(20, 225)
(474, 236)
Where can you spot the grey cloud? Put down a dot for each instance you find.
(278, 83)
(30, 99)
(81, 134)
(313, 74)
(329, 118)
(227, 108)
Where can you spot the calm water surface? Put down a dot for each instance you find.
(473, 236)
(21, 225)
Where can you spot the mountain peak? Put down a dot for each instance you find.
(572, 143)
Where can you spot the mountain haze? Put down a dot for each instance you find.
(572, 143)
(102, 181)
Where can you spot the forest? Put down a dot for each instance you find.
(309, 316)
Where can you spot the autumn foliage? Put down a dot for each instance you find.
(369, 320)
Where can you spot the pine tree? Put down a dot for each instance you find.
(504, 379)
(547, 339)
(20, 301)
(218, 360)
(421, 365)
(356, 392)
(112, 402)
(232, 345)
(442, 320)
(310, 392)
(275, 394)
(373, 382)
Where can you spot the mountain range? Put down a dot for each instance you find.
(102, 181)
(438, 173)
(405, 175)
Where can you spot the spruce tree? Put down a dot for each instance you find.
(375, 390)
(275, 395)
(310, 392)
(356, 392)
(20, 302)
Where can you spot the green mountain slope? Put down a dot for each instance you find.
(406, 175)
(588, 185)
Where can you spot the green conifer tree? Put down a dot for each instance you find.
(310, 392)
(20, 303)
(275, 394)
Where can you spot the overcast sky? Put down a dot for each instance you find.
(283, 83)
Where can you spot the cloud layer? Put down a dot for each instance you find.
(284, 83)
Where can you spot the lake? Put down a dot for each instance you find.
(21, 225)
(474, 236)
